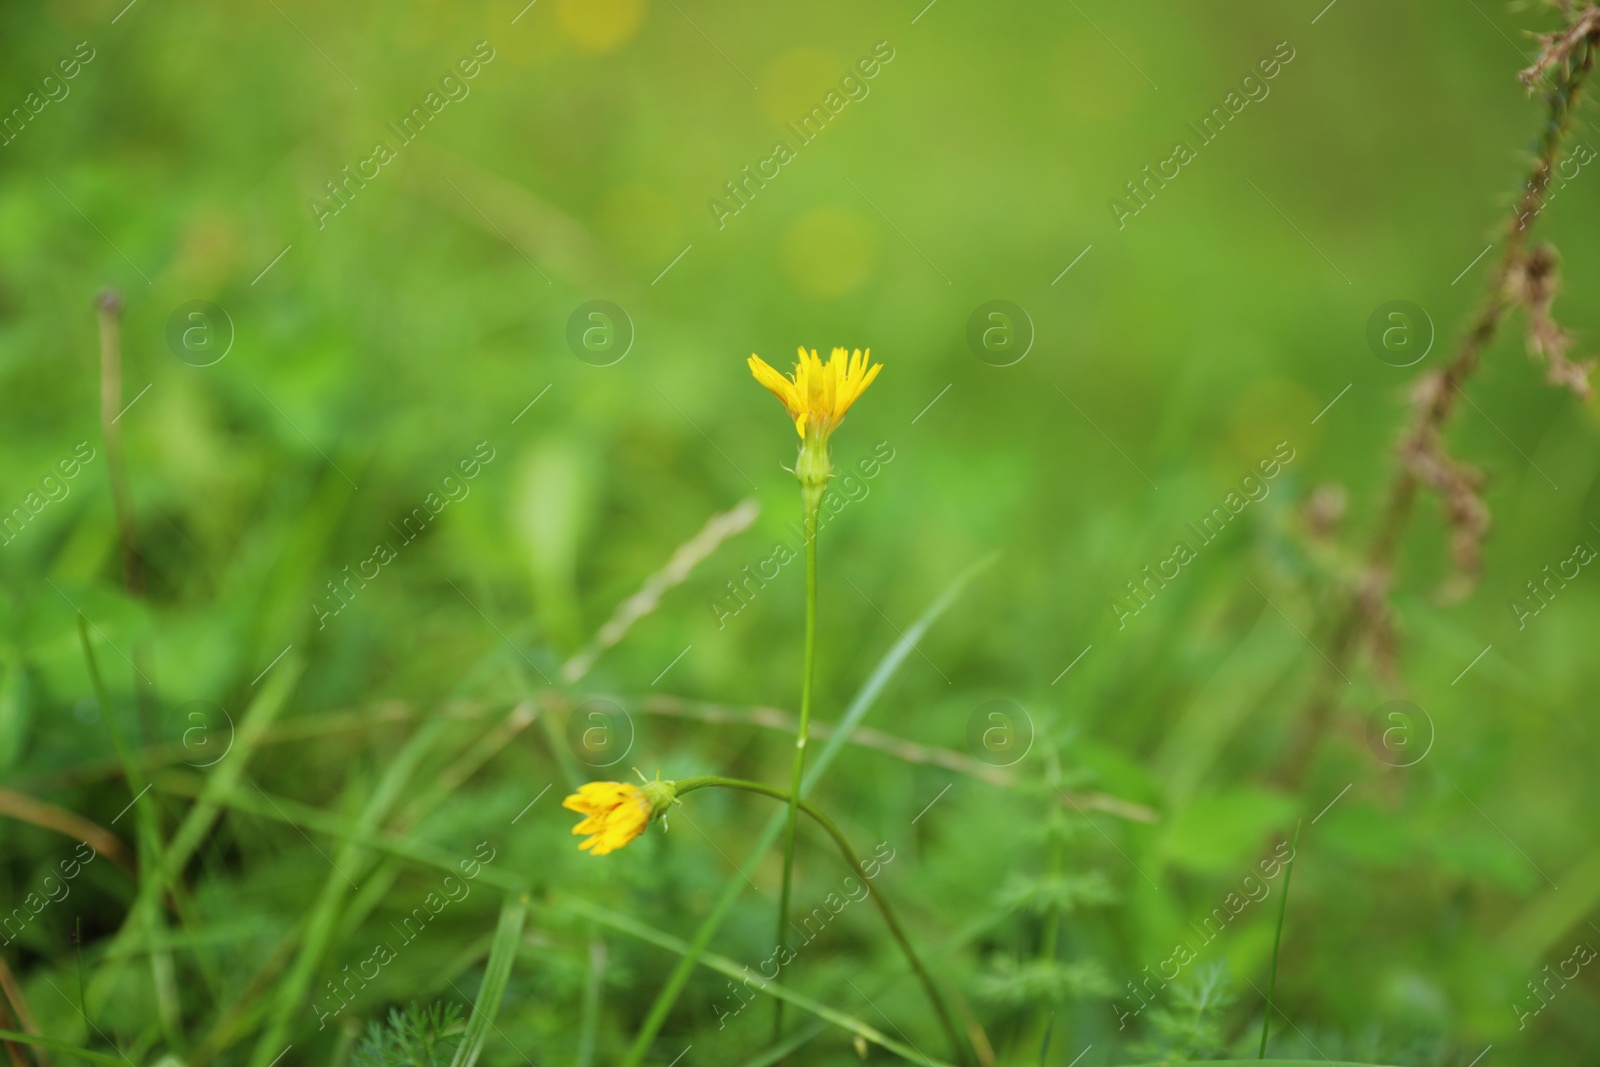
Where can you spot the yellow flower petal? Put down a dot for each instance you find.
(818, 393)
(617, 813)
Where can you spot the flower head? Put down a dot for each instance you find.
(617, 812)
(818, 394)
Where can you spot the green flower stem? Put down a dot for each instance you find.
(1048, 949)
(1277, 940)
(661, 1006)
(811, 496)
(688, 785)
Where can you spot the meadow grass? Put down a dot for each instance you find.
(288, 876)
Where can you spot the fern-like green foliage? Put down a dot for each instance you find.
(1040, 899)
(1064, 893)
(1021, 983)
(1058, 827)
(416, 1037)
(1190, 1026)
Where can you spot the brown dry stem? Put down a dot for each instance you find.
(1524, 277)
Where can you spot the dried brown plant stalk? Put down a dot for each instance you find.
(109, 305)
(19, 1011)
(1524, 276)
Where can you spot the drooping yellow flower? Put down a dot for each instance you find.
(617, 813)
(818, 394)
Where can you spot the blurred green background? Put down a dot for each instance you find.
(374, 353)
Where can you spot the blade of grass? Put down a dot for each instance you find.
(810, 1031)
(345, 1043)
(63, 1047)
(868, 695)
(688, 555)
(1277, 937)
(292, 991)
(19, 1006)
(294, 813)
(222, 932)
(276, 808)
(472, 759)
(25, 808)
(153, 871)
(77, 953)
(593, 987)
(398, 713)
(247, 1010)
(197, 823)
(376, 879)
(232, 1022)
(13, 1050)
(502, 953)
(769, 718)
(109, 305)
(739, 972)
(468, 956)
(853, 861)
(575, 777)
(309, 727)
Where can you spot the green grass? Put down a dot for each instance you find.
(585, 569)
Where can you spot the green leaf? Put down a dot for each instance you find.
(502, 952)
(1221, 833)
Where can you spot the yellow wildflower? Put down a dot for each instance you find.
(617, 813)
(818, 394)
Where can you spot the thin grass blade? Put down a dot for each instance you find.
(868, 695)
(497, 973)
(723, 965)
(64, 1048)
(1277, 938)
(292, 991)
